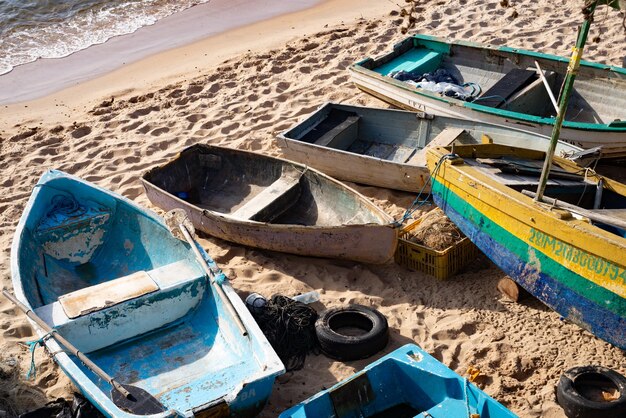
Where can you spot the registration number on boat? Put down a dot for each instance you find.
(572, 254)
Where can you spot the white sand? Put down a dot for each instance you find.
(240, 89)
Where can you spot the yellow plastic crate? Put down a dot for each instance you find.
(441, 264)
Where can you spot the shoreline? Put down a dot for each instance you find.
(177, 30)
(164, 66)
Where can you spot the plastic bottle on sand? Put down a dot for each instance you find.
(308, 297)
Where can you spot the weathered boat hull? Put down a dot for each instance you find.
(406, 382)
(574, 267)
(391, 131)
(372, 241)
(603, 85)
(109, 277)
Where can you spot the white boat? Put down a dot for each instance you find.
(386, 147)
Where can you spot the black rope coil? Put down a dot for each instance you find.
(289, 327)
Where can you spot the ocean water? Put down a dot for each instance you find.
(31, 29)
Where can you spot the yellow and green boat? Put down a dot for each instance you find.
(568, 248)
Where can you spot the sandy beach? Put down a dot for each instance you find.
(240, 88)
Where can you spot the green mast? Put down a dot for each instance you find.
(566, 91)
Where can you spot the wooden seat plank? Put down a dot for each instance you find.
(512, 82)
(342, 135)
(100, 296)
(274, 200)
(445, 138)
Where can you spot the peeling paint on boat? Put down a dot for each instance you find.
(75, 246)
(173, 337)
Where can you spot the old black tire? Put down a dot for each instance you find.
(344, 347)
(571, 395)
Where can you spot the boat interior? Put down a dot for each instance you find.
(603, 202)
(409, 391)
(249, 186)
(114, 281)
(509, 79)
(399, 136)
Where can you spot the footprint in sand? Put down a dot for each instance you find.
(295, 59)
(282, 86)
(305, 70)
(341, 80)
(159, 146)
(310, 46)
(26, 134)
(194, 89)
(145, 129)
(195, 118)
(176, 94)
(182, 101)
(131, 160)
(19, 331)
(143, 112)
(322, 77)
(228, 129)
(159, 131)
(133, 192)
(132, 126)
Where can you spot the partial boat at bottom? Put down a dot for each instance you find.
(569, 253)
(109, 277)
(404, 384)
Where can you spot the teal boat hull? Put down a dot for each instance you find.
(408, 382)
(109, 277)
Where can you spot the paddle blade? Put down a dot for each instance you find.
(139, 402)
(174, 218)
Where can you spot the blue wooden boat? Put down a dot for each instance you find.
(110, 278)
(405, 383)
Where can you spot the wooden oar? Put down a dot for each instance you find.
(178, 218)
(130, 398)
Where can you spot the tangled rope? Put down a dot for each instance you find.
(32, 346)
(418, 202)
(289, 327)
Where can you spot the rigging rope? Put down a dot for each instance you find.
(417, 203)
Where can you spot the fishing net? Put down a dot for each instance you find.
(436, 231)
(289, 327)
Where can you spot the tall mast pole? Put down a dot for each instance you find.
(566, 91)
